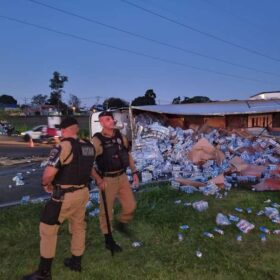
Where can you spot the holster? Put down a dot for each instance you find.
(58, 193)
(50, 212)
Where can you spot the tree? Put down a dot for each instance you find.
(113, 102)
(185, 100)
(7, 99)
(195, 99)
(199, 99)
(150, 94)
(142, 101)
(176, 100)
(39, 99)
(148, 99)
(74, 102)
(57, 84)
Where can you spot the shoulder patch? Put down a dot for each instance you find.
(54, 156)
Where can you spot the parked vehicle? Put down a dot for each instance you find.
(50, 134)
(35, 133)
(44, 133)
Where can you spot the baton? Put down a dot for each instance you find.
(107, 219)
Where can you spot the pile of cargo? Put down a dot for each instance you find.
(205, 157)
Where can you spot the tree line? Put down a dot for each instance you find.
(58, 81)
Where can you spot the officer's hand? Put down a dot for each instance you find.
(48, 188)
(101, 185)
(135, 181)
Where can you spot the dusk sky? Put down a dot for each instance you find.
(223, 49)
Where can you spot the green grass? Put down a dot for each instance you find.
(162, 256)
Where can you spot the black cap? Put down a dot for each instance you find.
(106, 114)
(68, 122)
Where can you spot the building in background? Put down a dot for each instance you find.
(266, 95)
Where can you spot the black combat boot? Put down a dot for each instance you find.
(43, 272)
(110, 244)
(123, 228)
(74, 263)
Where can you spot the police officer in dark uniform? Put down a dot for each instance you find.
(112, 159)
(66, 176)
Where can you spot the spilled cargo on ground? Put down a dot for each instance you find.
(167, 147)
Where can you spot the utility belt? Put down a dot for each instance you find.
(110, 174)
(50, 212)
(58, 191)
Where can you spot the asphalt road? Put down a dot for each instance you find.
(15, 152)
(21, 159)
(15, 147)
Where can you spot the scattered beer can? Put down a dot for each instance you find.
(136, 244)
(233, 218)
(180, 237)
(264, 229)
(260, 213)
(184, 227)
(198, 253)
(263, 237)
(178, 201)
(249, 210)
(240, 210)
(208, 234)
(239, 238)
(218, 230)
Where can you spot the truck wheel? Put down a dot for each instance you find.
(26, 137)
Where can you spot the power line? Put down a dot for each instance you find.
(87, 97)
(226, 11)
(151, 39)
(129, 51)
(201, 32)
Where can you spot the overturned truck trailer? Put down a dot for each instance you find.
(248, 114)
(253, 115)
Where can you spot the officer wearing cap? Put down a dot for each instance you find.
(112, 159)
(66, 176)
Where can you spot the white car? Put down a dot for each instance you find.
(35, 133)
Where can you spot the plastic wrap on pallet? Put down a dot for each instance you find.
(222, 220)
(167, 149)
(245, 226)
(271, 212)
(146, 176)
(210, 189)
(273, 159)
(200, 206)
(167, 167)
(246, 157)
(188, 189)
(175, 185)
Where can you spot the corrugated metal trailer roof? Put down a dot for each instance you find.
(217, 108)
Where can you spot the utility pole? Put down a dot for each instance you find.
(25, 106)
(97, 99)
